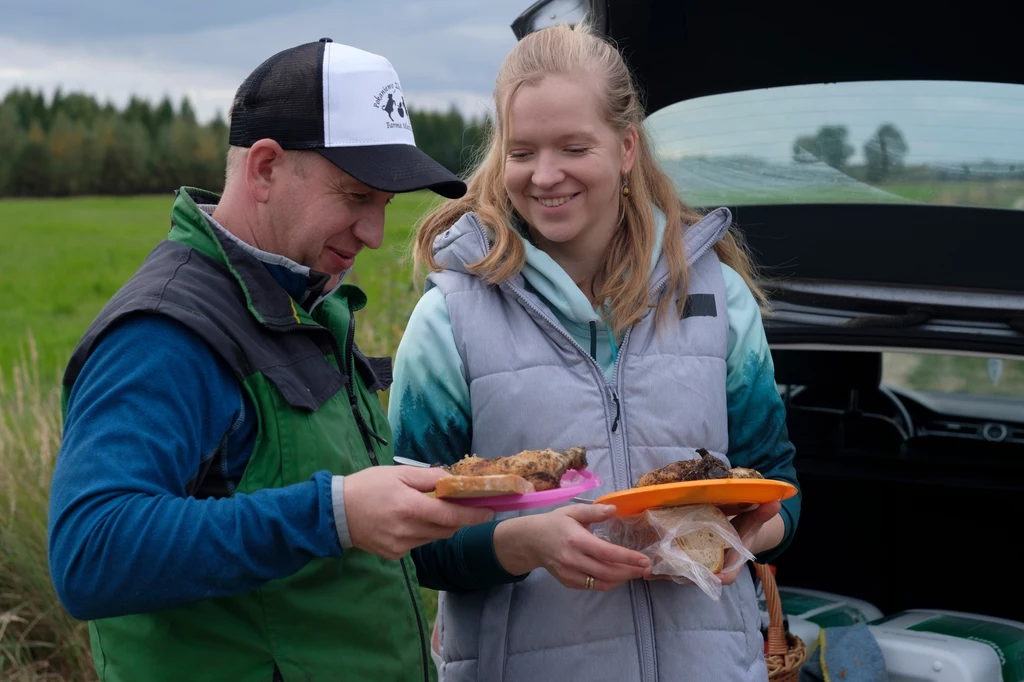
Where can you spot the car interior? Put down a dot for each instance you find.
(907, 495)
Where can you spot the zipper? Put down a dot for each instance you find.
(368, 434)
(640, 594)
(424, 655)
(348, 367)
(615, 423)
(364, 429)
(593, 354)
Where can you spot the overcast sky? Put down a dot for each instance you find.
(445, 51)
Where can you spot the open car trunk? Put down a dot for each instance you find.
(911, 498)
(918, 517)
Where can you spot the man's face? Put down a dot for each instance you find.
(321, 217)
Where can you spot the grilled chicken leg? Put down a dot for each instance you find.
(542, 468)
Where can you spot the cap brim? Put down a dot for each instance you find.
(395, 168)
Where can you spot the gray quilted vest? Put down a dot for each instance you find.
(532, 386)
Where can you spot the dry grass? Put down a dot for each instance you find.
(38, 639)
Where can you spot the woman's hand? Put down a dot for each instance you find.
(560, 542)
(760, 529)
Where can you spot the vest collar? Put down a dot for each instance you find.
(278, 292)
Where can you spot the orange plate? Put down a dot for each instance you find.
(718, 491)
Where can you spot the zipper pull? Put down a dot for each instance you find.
(363, 426)
(373, 435)
(615, 422)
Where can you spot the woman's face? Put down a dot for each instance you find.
(565, 164)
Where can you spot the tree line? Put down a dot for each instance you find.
(71, 144)
(884, 151)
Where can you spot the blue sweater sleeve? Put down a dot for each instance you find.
(430, 414)
(150, 405)
(757, 415)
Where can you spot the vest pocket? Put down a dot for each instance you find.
(306, 384)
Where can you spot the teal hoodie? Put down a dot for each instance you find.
(430, 408)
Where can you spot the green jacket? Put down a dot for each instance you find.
(355, 618)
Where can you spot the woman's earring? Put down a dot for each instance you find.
(625, 188)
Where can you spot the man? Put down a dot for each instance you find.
(219, 508)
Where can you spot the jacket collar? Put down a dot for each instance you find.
(278, 292)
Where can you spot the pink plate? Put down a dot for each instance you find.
(573, 483)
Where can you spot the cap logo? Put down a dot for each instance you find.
(391, 101)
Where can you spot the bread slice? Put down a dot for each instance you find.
(482, 486)
(740, 472)
(705, 547)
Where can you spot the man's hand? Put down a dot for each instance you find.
(389, 514)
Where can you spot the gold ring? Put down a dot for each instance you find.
(590, 582)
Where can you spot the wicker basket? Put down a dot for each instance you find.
(784, 653)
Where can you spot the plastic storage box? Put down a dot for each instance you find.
(807, 611)
(945, 646)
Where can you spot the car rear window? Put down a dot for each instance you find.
(934, 142)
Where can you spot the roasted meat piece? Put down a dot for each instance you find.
(705, 468)
(542, 468)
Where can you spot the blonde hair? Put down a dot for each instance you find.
(623, 275)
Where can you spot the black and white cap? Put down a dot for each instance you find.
(347, 105)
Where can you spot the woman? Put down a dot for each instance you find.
(574, 300)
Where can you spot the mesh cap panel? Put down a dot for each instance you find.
(283, 99)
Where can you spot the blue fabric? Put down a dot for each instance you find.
(758, 438)
(151, 404)
(292, 282)
(845, 654)
(464, 563)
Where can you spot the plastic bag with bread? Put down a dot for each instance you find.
(689, 544)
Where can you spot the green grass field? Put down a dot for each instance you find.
(62, 259)
(1002, 194)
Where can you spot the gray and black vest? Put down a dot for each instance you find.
(532, 386)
